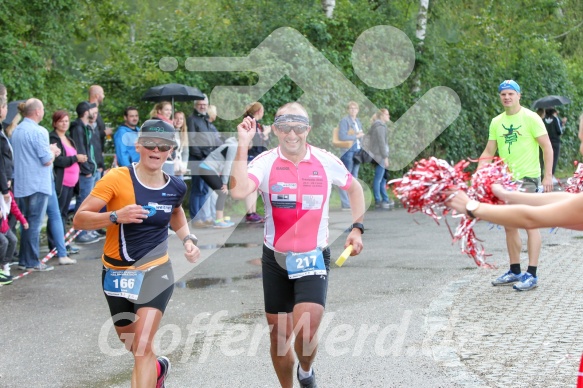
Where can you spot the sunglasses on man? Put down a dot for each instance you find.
(151, 145)
(298, 129)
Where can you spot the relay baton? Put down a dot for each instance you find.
(344, 256)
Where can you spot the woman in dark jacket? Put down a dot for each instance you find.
(65, 166)
(380, 150)
(6, 158)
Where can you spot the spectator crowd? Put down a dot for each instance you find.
(46, 175)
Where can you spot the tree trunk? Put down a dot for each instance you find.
(328, 6)
(420, 35)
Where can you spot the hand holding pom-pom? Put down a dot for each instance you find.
(432, 183)
(485, 178)
(575, 183)
(427, 186)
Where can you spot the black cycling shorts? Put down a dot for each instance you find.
(281, 294)
(157, 288)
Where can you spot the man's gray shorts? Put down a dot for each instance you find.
(532, 185)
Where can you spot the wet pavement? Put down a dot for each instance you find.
(411, 311)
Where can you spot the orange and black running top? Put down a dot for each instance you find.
(141, 245)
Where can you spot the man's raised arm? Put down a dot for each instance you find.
(241, 184)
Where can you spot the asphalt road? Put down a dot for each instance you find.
(402, 314)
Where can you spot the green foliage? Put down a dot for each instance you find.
(474, 46)
(34, 60)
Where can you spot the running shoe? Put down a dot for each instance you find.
(86, 238)
(72, 249)
(164, 370)
(66, 260)
(199, 224)
(222, 224)
(42, 267)
(308, 382)
(507, 279)
(254, 218)
(527, 282)
(5, 279)
(96, 235)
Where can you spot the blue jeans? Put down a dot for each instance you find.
(379, 185)
(8, 243)
(86, 184)
(199, 192)
(34, 208)
(55, 231)
(353, 167)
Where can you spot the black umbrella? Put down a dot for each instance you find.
(12, 111)
(173, 92)
(550, 101)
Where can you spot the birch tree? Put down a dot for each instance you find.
(420, 35)
(328, 6)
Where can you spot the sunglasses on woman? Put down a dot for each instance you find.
(151, 145)
(298, 129)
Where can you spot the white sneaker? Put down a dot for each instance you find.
(6, 269)
(41, 267)
(67, 260)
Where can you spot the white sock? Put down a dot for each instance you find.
(6, 269)
(303, 374)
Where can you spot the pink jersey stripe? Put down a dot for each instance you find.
(296, 197)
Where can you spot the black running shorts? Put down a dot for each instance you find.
(281, 294)
(157, 288)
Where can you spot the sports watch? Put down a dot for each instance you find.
(358, 225)
(471, 207)
(113, 217)
(190, 237)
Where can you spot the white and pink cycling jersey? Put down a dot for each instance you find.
(296, 198)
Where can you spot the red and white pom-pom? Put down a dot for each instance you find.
(423, 188)
(483, 178)
(480, 190)
(469, 243)
(575, 183)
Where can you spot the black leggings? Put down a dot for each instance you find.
(213, 180)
